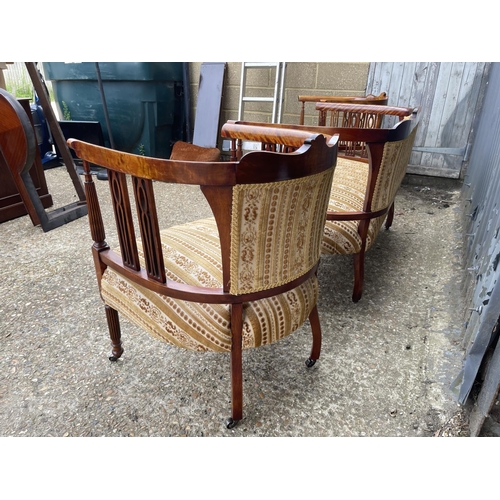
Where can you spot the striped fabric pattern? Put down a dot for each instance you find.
(192, 256)
(392, 170)
(276, 231)
(348, 194)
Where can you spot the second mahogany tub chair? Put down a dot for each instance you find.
(366, 180)
(378, 100)
(242, 279)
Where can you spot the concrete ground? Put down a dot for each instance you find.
(386, 365)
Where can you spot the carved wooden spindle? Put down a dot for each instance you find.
(124, 221)
(302, 113)
(94, 210)
(266, 146)
(233, 150)
(239, 150)
(150, 231)
(322, 119)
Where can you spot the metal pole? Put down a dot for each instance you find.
(187, 101)
(105, 107)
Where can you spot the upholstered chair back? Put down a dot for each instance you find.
(392, 171)
(276, 231)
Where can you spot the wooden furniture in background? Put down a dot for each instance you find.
(11, 201)
(357, 116)
(245, 278)
(379, 100)
(18, 149)
(363, 188)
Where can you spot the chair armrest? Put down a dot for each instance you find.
(286, 136)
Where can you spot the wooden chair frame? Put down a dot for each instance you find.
(380, 100)
(335, 115)
(217, 180)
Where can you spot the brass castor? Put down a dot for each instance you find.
(310, 362)
(116, 353)
(230, 423)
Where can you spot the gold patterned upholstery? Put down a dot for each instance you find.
(392, 170)
(347, 195)
(192, 256)
(276, 229)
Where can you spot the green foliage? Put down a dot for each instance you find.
(21, 88)
(18, 83)
(66, 112)
(142, 149)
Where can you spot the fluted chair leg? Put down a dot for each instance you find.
(236, 366)
(316, 335)
(114, 333)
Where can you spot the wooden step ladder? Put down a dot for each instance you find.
(277, 97)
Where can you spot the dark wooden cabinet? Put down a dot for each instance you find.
(11, 204)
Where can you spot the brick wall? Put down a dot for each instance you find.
(311, 78)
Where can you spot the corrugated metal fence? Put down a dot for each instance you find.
(481, 196)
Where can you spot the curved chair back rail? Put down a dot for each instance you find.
(244, 278)
(217, 181)
(364, 185)
(380, 100)
(357, 115)
(365, 108)
(284, 139)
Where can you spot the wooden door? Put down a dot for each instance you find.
(450, 96)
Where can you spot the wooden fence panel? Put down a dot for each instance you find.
(450, 97)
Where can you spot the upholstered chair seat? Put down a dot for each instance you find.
(192, 256)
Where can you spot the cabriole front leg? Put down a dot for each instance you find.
(316, 335)
(390, 217)
(359, 275)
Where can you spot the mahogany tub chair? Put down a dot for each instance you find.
(366, 178)
(244, 278)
